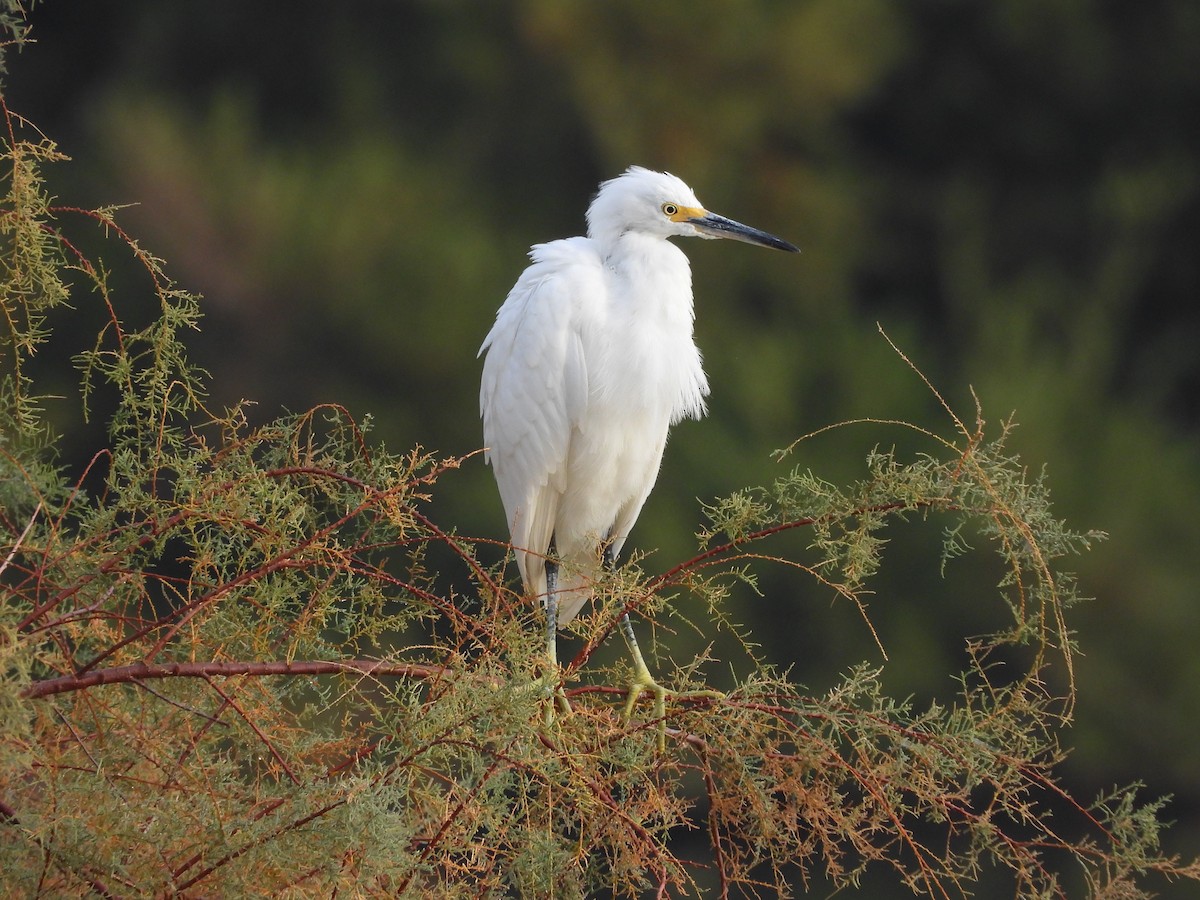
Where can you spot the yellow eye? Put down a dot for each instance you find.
(670, 209)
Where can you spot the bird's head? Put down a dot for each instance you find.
(661, 205)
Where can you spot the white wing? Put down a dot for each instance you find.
(534, 391)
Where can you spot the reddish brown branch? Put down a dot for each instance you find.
(143, 671)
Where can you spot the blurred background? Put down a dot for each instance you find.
(1011, 189)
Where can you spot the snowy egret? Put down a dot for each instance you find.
(590, 361)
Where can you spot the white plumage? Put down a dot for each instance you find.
(590, 361)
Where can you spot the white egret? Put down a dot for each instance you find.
(590, 361)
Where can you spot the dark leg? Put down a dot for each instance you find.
(610, 563)
(552, 609)
(610, 558)
(642, 679)
(551, 677)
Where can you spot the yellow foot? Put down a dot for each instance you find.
(644, 681)
(550, 685)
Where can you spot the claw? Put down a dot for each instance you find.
(643, 681)
(550, 685)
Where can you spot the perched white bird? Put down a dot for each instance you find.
(589, 363)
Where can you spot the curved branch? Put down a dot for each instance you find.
(145, 671)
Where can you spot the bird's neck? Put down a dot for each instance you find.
(652, 276)
(633, 254)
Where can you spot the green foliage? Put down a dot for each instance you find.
(14, 26)
(228, 667)
(33, 279)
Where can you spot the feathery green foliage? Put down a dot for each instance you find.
(228, 668)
